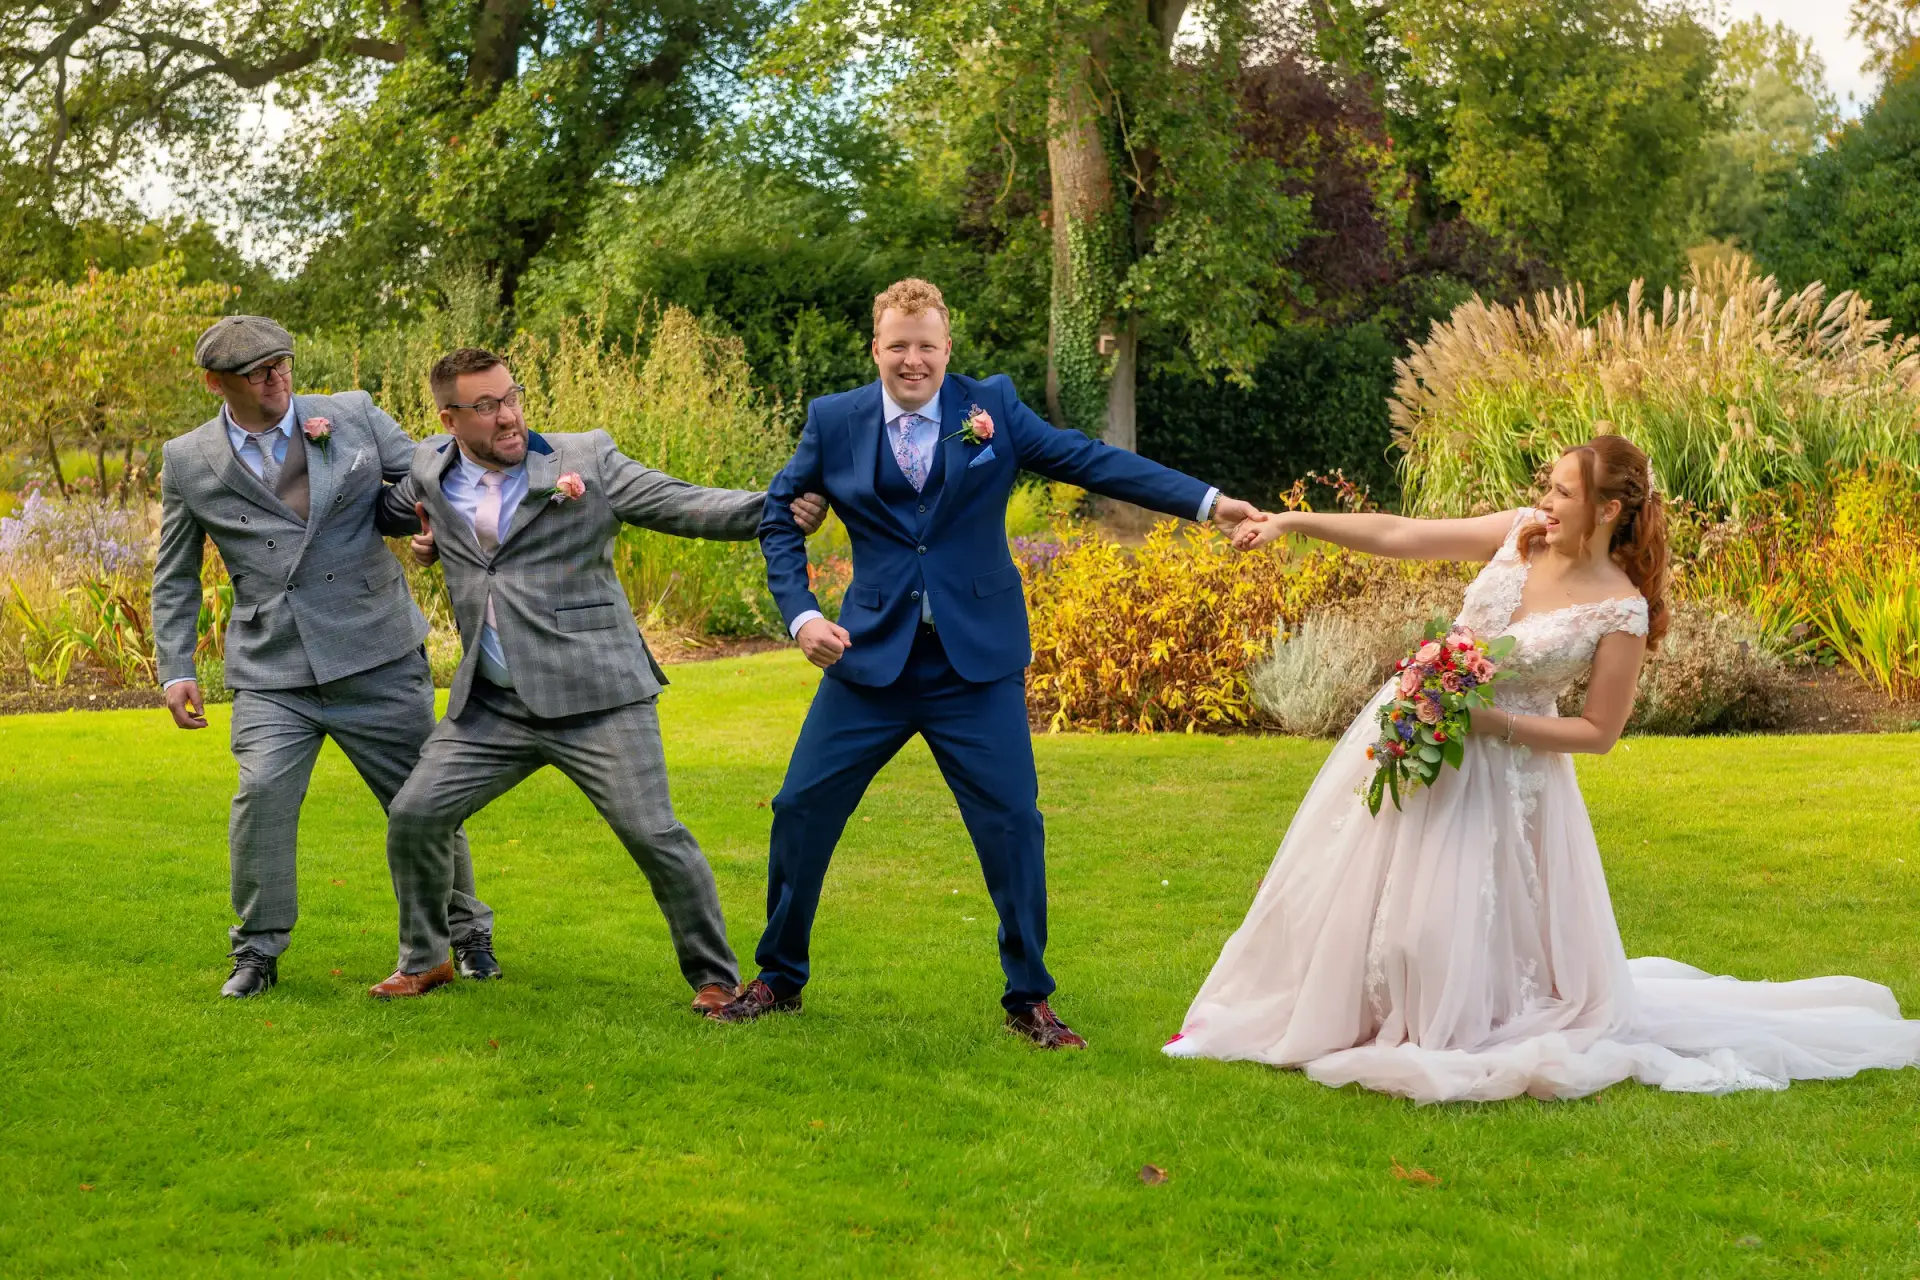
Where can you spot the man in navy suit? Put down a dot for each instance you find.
(933, 631)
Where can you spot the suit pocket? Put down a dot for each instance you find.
(244, 612)
(985, 455)
(385, 570)
(1005, 578)
(586, 617)
(866, 597)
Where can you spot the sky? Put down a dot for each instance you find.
(1826, 22)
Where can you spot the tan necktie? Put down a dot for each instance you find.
(486, 524)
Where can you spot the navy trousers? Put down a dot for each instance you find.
(978, 735)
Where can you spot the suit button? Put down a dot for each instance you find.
(339, 497)
(915, 596)
(243, 519)
(923, 508)
(490, 571)
(289, 586)
(269, 544)
(922, 550)
(329, 577)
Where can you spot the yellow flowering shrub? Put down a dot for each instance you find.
(1160, 637)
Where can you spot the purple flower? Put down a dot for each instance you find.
(86, 538)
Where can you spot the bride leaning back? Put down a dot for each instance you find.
(1464, 947)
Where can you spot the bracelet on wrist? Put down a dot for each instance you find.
(1507, 737)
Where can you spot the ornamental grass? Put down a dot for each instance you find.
(1733, 387)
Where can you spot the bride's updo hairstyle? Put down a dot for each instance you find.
(1613, 467)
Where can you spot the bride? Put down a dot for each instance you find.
(1464, 948)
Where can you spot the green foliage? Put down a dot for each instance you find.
(1853, 217)
(1318, 402)
(1567, 125)
(98, 623)
(1780, 111)
(1733, 390)
(104, 363)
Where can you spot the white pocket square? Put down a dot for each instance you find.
(985, 455)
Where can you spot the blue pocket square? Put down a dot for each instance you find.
(985, 455)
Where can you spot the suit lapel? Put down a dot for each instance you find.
(955, 453)
(434, 494)
(320, 475)
(543, 470)
(217, 449)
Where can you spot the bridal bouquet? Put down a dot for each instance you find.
(1438, 687)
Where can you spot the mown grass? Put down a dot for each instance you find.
(575, 1120)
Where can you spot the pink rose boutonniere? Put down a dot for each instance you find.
(976, 427)
(567, 488)
(319, 431)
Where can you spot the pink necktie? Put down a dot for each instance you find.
(905, 454)
(486, 525)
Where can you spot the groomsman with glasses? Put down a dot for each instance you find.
(324, 641)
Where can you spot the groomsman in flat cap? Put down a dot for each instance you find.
(324, 640)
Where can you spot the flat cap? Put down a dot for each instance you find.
(241, 344)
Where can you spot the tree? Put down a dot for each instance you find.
(1891, 32)
(1156, 211)
(1566, 126)
(1780, 110)
(1852, 218)
(429, 131)
(101, 364)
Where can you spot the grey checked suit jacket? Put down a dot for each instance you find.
(314, 600)
(565, 626)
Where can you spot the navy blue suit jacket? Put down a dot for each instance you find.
(961, 556)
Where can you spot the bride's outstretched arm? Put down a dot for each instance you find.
(1616, 677)
(1375, 533)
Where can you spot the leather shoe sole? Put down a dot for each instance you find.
(403, 985)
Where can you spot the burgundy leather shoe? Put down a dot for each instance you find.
(714, 996)
(1040, 1025)
(403, 984)
(756, 1001)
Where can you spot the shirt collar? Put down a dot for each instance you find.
(472, 471)
(930, 410)
(284, 426)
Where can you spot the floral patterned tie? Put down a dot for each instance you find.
(905, 454)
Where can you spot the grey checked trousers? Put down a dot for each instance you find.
(613, 756)
(380, 718)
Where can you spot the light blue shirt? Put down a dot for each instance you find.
(925, 438)
(240, 436)
(462, 489)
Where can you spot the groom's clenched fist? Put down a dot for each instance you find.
(823, 642)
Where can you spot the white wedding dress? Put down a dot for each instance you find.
(1464, 948)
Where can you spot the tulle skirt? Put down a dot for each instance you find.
(1464, 948)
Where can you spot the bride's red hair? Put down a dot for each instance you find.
(1614, 468)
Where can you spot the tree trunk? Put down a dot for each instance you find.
(53, 459)
(1086, 249)
(1120, 430)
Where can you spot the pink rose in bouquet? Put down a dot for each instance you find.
(1424, 725)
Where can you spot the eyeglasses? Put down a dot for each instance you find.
(487, 406)
(259, 377)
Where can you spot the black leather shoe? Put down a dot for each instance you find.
(475, 957)
(252, 974)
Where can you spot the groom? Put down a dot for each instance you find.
(933, 633)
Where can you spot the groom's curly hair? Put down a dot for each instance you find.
(910, 297)
(448, 368)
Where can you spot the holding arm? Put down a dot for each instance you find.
(783, 541)
(1379, 534)
(176, 602)
(1602, 719)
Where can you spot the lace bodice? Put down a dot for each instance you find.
(1552, 649)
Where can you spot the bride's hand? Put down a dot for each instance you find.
(1258, 530)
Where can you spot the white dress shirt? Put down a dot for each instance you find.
(462, 488)
(925, 438)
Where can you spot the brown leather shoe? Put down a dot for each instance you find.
(1040, 1025)
(403, 983)
(714, 996)
(756, 1001)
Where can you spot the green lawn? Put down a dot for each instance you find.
(575, 1120)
